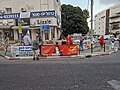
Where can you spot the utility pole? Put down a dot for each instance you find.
(92, 20)
(91, 26)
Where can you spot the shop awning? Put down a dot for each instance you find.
(37, 27)
(23, 27)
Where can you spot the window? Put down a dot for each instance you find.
(116, 26)
(118, 13)
(8, 10)
(23, 9)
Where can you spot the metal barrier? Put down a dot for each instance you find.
(91, 47)
(104, 47)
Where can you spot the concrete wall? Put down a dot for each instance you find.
(31, 5)
(99, 23)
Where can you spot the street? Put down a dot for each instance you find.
(94, 73)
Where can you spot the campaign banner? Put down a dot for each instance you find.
(21, 51)
(47, 50)
(71, 49)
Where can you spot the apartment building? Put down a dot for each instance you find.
(115, 19)
(40, 17)
(107, 21)
(99, 23)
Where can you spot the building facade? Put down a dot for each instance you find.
(115, 19)
(107, 21)
(99, 23)
(41, 17)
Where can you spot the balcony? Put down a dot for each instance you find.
(115, 28)
(114, 22)
(116, 16)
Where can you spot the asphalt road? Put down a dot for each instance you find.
(94, 73)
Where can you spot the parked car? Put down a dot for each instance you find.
(76, 39)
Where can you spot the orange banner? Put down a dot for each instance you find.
(48, 50)
(69, 49)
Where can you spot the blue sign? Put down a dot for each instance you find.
(45, 27)
(32, 14)
(10, 16)
(42, 13)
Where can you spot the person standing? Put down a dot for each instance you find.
(27, 40)
(67, 40)
(101, 41)
(35, 49)
(112, 39)
(81, 43)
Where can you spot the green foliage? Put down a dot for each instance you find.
(85, 14)
(74, 20)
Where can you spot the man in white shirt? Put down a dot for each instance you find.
(27, 40)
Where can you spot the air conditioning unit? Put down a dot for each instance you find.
(2, 12)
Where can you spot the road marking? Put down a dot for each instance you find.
(115, 84)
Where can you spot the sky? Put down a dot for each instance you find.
(99, 5)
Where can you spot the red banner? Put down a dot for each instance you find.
(59, 50)
(69, 49)
(47, 50)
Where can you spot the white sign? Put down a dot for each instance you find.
(21, 51)
(43, 21)
(25, 15)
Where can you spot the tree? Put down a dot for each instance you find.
(85, 14)
(74, 20)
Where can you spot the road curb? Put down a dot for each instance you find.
(52, 57)
(46, 57)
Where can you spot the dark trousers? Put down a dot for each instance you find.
(81, 46)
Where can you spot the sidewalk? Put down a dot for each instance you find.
(83, 54)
